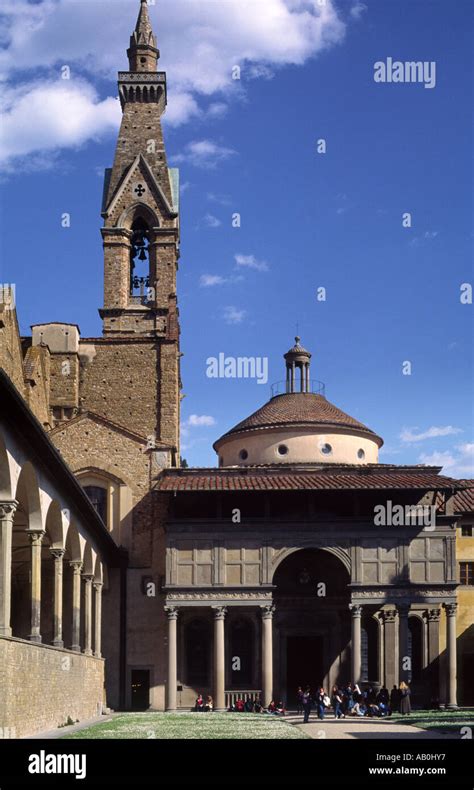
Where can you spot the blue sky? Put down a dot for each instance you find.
(309, 220)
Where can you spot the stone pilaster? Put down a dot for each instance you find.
(76, 605)
(98, 619)
(219, 657)
(267, 653)
(36, 539)
(7, 513)
(390, 633)
(433, 618)
(451, 651)
(172, 615)
(405, 666)
(58, 555)
(356, 659)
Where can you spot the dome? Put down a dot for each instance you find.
(298, 427)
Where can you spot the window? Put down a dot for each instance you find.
(361, 454)
(98, 497)
(243, 455)
(282, 449)
(466, 531)
(466, 573)
(326, 449)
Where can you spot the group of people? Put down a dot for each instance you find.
(203, 707)
(350, 700)
(255, 706)
(241, 706)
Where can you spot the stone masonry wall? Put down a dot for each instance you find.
(40, 686)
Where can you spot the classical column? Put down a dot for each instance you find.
(7, 512)
(390, 636)
(36, 538)
(451, 651)
(98, 619)
(308, 383)
(88, 579)
(433, 617)
(356, 660)
(171, 701)
(267, 653)
(76, 605)
(292, 377)
(405, 667)
(219, 657)
(58, 555)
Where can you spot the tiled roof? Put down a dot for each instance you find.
(304, 479)
(465, 499)
(297, 409)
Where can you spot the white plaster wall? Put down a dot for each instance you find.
(304, 446)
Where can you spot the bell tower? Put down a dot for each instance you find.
(141, 203)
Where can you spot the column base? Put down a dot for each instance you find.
(171, 710)
(97, 655)
(6, 632)
(88, 652)
(35, 638)
(58, 643)
(453, 706)
(76, 648)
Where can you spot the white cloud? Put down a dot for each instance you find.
(444, 459)
(222, 200)
(232, 315)
(200, 41)
(211, 221)
(196, 420)
(49, 116)
(357, 10)
(251, 262)
(209, 280)
(204, 154)
(409, 435)
(458, 462)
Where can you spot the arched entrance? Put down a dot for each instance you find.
(312, 622)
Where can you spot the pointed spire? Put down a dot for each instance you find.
(143, 53)
(143, 28)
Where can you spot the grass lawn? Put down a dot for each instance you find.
(218, 726)
(448, 721)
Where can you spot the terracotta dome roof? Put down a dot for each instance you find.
(298, 410)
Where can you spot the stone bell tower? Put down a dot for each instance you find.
(141, 203)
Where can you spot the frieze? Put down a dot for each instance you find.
(411, 594)
(219, 596)
(131, 76)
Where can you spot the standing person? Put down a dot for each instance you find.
(299, 700)
(395, 699)
(307, 704)
(336, 702)
(348, 699)
(405, 704)
(320, 703)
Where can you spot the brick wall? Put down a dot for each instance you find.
(40, 686)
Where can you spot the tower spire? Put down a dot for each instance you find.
(143, 53)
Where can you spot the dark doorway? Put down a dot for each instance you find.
(140, 689)
(304, 657)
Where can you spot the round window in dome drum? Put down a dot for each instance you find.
(243, 455)
(282, 449)
(326, 449)
(361, 454)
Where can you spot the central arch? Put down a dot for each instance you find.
(312, 620)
